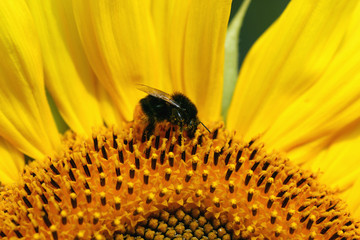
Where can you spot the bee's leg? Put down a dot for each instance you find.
(191, 134)
(149, 130)
(179, 139)
(192, 127)
(181, 128)
(181, 125)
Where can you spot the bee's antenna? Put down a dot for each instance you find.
(205, 127)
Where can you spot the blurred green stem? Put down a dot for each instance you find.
(232, 56)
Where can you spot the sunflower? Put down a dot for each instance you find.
(283, 166)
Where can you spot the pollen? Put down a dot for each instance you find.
(116, 185)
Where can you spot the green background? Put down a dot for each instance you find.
(259, 16)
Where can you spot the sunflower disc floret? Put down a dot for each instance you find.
(114, 185)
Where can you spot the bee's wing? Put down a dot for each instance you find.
(157, 93)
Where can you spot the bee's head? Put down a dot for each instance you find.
(187, 113)
(188, 110)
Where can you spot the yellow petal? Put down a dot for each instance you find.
(165, 44)
(25, 117)
(338, 158)
(309, 95)
(119, 41)
(329, 106)
(192, 34)
(352, 198)
(110, 114)
(11, 163)
(337, 162)
(286, 62)
(323, 111)
(69, 77)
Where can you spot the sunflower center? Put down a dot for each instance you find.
(116, 184)
(180, 224)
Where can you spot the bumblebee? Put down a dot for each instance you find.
(159, 106)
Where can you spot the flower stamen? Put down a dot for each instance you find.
(114, 185)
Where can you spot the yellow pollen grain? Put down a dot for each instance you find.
(205, 173)
(164, 191)
(292, 211)
(279, 229)
(36, 236)
(168, 171)
(233, 201)
(80, 234)
(53, 228)
(274, 213)
(108, 185)
(231, 167)
(254, 207)
(214, 185)
(178, 188)
(73, 195)
(199, 193)
(87, 192)
(217, 149)
(98, 237)
(63, 213)
(151, 197)
(119, 179)
(139, 210)
(117, 222)
(132, 167)
(250, 229)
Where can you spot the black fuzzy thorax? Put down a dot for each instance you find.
(189, 111)
(159, 110)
